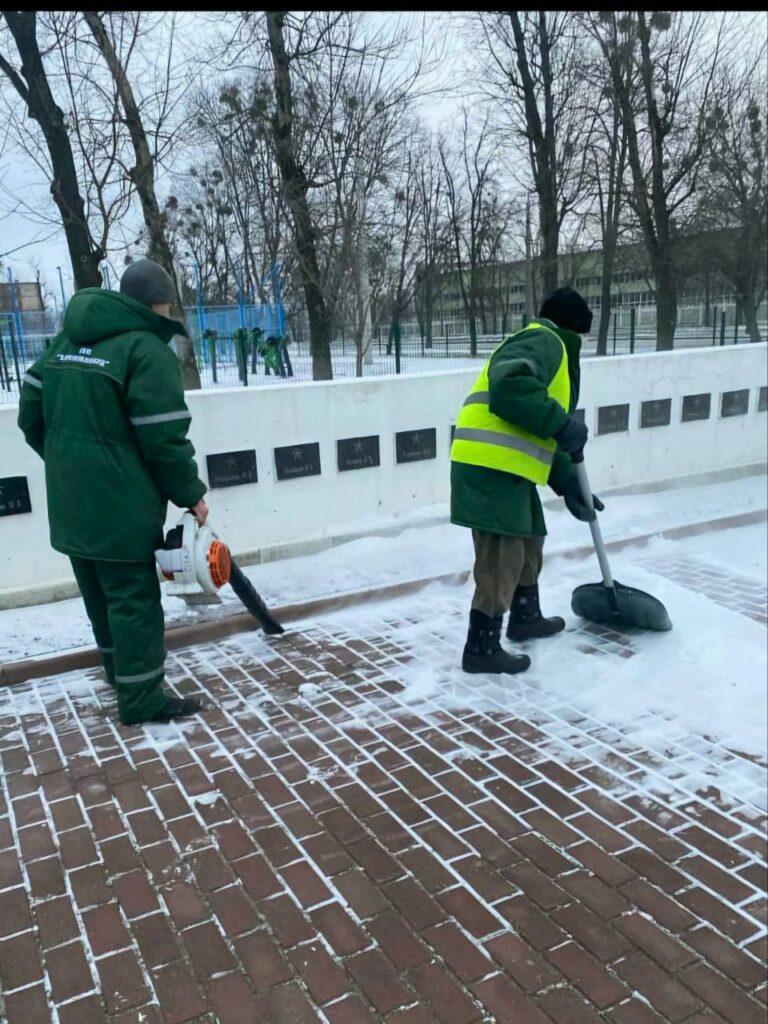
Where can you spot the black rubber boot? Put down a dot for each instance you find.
(525, 619)
(483, 651)
(177, 707)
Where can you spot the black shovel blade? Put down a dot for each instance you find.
(622, 606)
(253, 601)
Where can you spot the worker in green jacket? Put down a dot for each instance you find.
(104, 407)
(516, 431)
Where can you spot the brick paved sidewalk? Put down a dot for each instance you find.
(322, 847)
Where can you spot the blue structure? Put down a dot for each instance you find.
(16, 317)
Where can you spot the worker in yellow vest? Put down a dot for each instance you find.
(516, 431)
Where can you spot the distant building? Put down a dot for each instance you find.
(502, 287)
(28, 297)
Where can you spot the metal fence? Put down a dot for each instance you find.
(231, 349)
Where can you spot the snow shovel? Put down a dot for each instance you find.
(610, 603)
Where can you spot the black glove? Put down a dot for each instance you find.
(572, 436)
(576, 504)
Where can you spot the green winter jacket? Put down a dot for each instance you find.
(521, 369)
(104, 406)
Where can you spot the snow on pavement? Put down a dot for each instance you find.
(706, 678)
(416, 552)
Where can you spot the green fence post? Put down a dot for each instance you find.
(15, 352)
(396, 333)
(614, 314)
(632, 315)
(736, 312)
(714, 327)
(243, 345)
(722, 328)
(210, 335)
(5, 377)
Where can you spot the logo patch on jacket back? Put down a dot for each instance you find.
(90, 360)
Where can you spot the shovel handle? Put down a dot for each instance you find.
(597, 537)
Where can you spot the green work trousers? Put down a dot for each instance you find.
(501, 564)
(122, 600)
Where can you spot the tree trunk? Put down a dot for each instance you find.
(549, 243)
(609, 250)
(428, 313)
(472, 326)
(544, 162)
(749, 309)
(530, 296)
(143, 175)
(42, 108)
(666, 305)
(295, 193)
(666, 285)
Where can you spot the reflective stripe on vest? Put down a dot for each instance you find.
(482, 439)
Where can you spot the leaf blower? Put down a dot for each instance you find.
(197, 565)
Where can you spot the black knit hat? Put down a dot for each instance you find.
(567, 309)
(148, 283)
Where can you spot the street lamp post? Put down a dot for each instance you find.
(63, 296)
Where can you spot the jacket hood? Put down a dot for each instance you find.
(94, 314)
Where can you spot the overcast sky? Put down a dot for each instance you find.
(28, 239)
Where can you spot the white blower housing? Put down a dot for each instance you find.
(194, 561)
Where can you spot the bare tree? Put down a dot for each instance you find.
(334, 98)
(471, 199)
(200, 223)
(666, 134)
(34, 88)
(295, 188)
(536, 82)
(236, 122)
(433, 240)
(733, 201)
(143, 175)
(606, 170)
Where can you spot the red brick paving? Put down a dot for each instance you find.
(344, 856)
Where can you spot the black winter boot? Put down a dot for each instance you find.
(483, 651)
(177, 707)
(525, 619)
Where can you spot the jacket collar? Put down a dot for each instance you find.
(570, 339)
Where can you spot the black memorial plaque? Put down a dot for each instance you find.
(762, 400)
(416, 445)
(734, 403)
(14, 496)
(657, 412)
(358, 452)
(296, 460)
(612, 419)
(580, 415)
(696, 407)
(229, 469)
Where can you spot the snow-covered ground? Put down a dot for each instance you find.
(688, 709)
(700, 688)
(419, 552)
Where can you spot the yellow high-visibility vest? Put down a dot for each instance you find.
(482, 439)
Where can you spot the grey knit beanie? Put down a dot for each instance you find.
(147, 282)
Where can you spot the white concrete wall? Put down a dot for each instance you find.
(274, 518)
